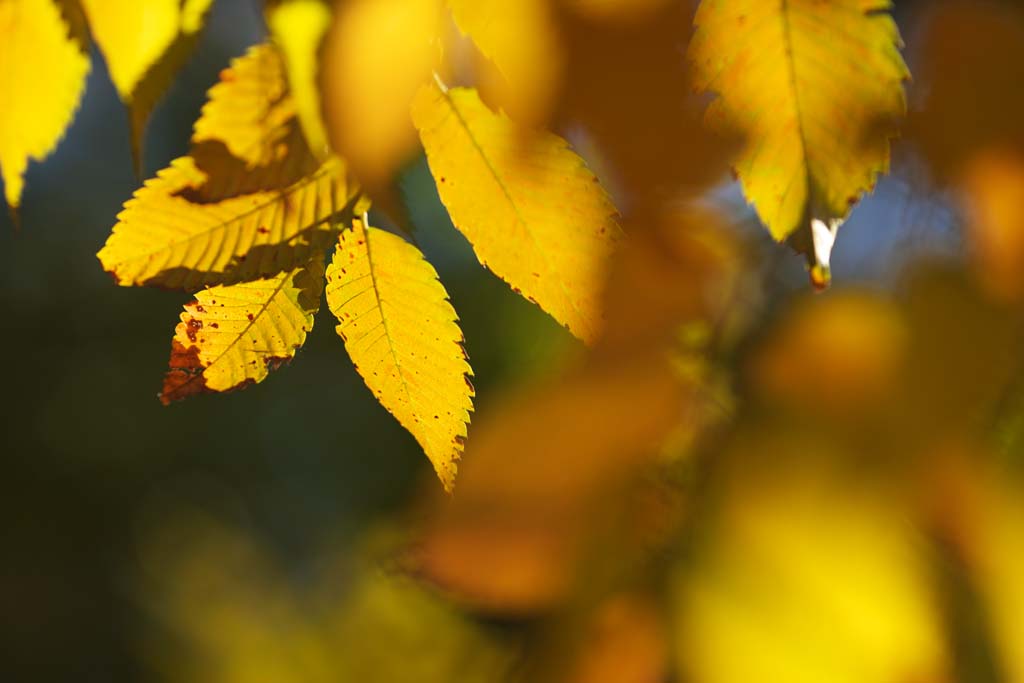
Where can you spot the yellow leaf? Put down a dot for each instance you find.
(165, 237)
(376, 56)
(403, 337)
(144, 42)
(250, 109)
(522, 41)
(298, 27)
(42, 75)
(233, 335)
(540, 220)
(814, 86)
(132, 34)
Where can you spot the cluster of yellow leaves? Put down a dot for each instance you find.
(250, 211)
(342, 95)
(44, 59)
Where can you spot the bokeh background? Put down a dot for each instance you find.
(90, 453)
(141, 543)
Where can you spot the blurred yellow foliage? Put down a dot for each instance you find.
(806, 580)
(42, 76)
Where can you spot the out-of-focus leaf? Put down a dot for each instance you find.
(971, 57)
(403, 336)
(627, 86)
(534, 484)
(388, 614)
(538, 218)
(376, 56)
(235, 616)
(804, 580)
(679, 270)
(834, 355)
(625, 641)
(233, 335)
(42, 76)
(298, 28)
(616, 10)
(967, 125)
(993, 187)
(995, 553)
(144, 43)
(521, 39)
(815, 86)
(165, 238)
(132, 34)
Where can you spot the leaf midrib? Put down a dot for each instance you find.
(787, 38)
(508, 195)
(276, 198)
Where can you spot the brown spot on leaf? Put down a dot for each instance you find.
(185, 376)
(250, 317)
(192, 327)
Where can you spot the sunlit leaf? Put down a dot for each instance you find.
(539, 219)
(298, 28)
(403, 337)
(815, 87)
(522, 41)
(376, 55)
(164, 237)
(233, 335)
(250, 109)
(42, 76)
(144, 43)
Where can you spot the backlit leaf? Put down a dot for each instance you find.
(164, 237)
(539, 219)
(814, 86)
(403, 337)
(144, 43)
(248, 137)
(233, 335)
(42, 76)
(250, 109)
(298, 27)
